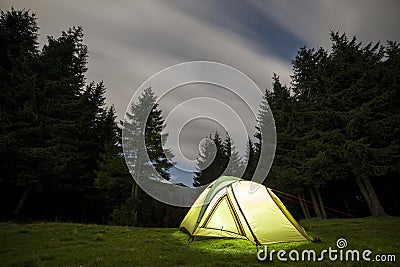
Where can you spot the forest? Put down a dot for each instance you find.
(61, 158)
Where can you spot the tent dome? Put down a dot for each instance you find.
(236, 208)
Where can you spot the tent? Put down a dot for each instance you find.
(235, 208)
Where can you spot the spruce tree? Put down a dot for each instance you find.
(212, 161)
(235, 165)
(250, 161)
(54, 126)
(139, 208)
(21, 158)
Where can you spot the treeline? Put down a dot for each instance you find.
(61, 152)
(338, 128)
(54, 125)
(218, 157)
(60, 146)
(338, 131)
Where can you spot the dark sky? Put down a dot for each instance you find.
(131, 40)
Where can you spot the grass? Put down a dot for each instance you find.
(68, 244)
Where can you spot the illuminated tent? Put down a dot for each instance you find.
(235, 208)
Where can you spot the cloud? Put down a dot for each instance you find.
(130, 40)
(312, 20)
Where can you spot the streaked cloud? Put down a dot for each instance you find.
(311, 20)
(131, 40)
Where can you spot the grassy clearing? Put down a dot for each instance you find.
(67, 244)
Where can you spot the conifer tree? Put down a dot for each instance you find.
(235, 165)
(138, 208)
(54, 125)
(250, 161)
(212, 161)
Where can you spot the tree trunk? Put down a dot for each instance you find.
(315, 204)
(365, 194)
(370, 196)
(302, 207)
(377, 207)
(305, 205)
(134, 190)
(134, 197)
(346, 205)
(22, 202)
(321, 203)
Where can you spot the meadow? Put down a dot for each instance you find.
(71, 244)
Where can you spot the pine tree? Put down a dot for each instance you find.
(340, 102)
(250, 161)
(212, 161)
(73, 116)
(145, 209)
(20, 127)
(55, 127)
(235, 166)
(154, 139)
(282, 172)
(318, 124)
(113, 178)
(371, 117)
(266, 136)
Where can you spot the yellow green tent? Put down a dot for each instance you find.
(235, 208)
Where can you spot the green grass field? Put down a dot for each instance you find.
(68, 244)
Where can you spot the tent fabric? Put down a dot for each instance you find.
(235, 208)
